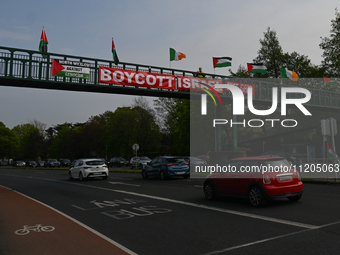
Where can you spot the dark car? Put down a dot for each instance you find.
(4, 163)
(64, 162)
(31, 163)
(52, 163)
(291, 159)
(257, 178)
(166, 167)
(19, 163)
(118, 161)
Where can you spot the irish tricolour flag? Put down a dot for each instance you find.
(175, 55)
(222, 62)
(290, 74)
(256, 68)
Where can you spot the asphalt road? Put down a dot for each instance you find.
(172, 216)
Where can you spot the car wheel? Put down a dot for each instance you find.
(81, 178)
(295, 198)
(104, 177)
(186, 176)
(131, 166)
(144, 174)
(209, 191)
(161, 175)
(256, 197)
(140, 166)
(70, 176)
(119, 165)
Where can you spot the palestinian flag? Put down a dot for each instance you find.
(70, 69)
(256, 68)
(331, 154)
(222, 62)
(330, 82)
(175, 56)
(114, 52)
(285, 73)
(43, 43)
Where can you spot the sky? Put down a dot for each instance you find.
(143, 32)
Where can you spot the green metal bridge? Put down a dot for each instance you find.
(28, 69)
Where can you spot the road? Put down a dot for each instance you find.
(138, 216)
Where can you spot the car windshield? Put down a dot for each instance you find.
(94, 163)
(144, 158)
(53, 160)
(175, 160)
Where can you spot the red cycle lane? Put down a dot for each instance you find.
(29, 227)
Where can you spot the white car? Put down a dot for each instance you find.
(88, 168)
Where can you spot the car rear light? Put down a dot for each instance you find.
(169, 164)
(266, 179)
(186, 163)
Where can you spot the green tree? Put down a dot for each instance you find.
(270, 54)
(31, 141)
(9, 142)
(242, 72)
(331, 48)
(130, 125)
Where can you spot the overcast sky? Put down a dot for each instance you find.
(143, 32)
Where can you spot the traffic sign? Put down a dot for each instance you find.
(135, 147)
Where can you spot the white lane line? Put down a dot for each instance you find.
(256, 242)
(127, 179)
(249, 215)
(79, 223)
(123, 183)
(268, 239)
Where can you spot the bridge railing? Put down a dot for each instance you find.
(30, 65)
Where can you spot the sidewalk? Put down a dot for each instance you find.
(66, 236)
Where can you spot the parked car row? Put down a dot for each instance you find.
(46, 163)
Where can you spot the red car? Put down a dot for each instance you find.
(258, 178)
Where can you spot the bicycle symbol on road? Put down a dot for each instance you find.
(37, 228)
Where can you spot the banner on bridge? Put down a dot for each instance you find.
(117, 76)
(70, 69)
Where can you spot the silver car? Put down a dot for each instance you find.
(139, 162)
(88, 168)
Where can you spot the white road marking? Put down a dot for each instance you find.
(127, 179)
(79, 223)
(256, 242)
(268, 239)
(249, 215)
(123, 183)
